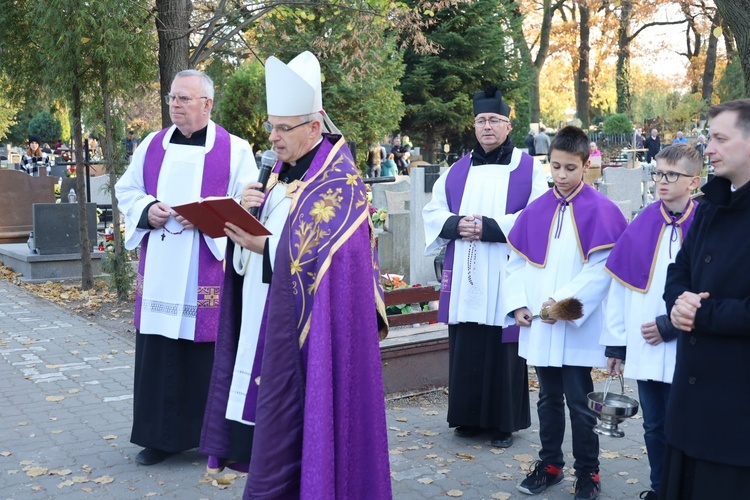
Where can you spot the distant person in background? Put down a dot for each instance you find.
(594, 151)
(46, 149)
(529, 142)
(652, 144)
(34, 158)
(700, 146)
(541, 143)
(375, 158)
(679, 138)
(131, 143)
(398, 151)
(389, 167)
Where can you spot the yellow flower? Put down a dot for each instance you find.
(351, 179)
(322, 211)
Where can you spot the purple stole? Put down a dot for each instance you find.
(519, 190)
(633, 259)
(597, 222)
(216, 170)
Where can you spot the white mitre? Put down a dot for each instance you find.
(294, 89)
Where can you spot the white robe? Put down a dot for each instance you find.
(627, 310)
(574, 343)
(171, 269)
(254, 292)
(485, 193)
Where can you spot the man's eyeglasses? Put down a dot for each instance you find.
(182, 99)
(494, 122)
(670, 176)
(281, 129)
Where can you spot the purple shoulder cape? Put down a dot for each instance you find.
(215, 182)
(320, 427)
(597, 221)
(519, 190)
(633, 258)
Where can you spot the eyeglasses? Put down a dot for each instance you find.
(494, 122)
(182, 99)
(670, 176)
(281, 129)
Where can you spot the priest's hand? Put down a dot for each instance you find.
(470, 228)
(158, 214)
(245, 239)
(650, 333)
(685, 307)
(252, 196)
(182, 220)
(523, 316)
(614, 367)
(549, 303)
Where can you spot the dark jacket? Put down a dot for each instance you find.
(653, 146)
(709, 404)
(529, 142)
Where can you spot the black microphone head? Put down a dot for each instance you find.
(268, 159)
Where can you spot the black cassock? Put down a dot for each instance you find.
(488, 381)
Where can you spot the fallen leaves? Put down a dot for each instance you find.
(425, 480)
(465, 456)
(523, 458)
(54, 399)
(500, 495)
(109, 437)
(609, 454)
(455, 493)
(36, 471)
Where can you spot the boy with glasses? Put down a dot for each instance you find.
(636, 321)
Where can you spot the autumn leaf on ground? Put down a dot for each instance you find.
(5, 453)
(425, 480)
(431, 456)
(443, 471)
(623, 473)
(425, 432)
(609, 454)
(432, 412)
(60, 472)
(36, 471)
(632, 480)
(465, 456)
(523, 457)
(455, 493)
(497, 451)
(402, 434)
(79, 479)
(505, 476)
(54, 399)
(500, 495)
(109, 437)
(103, 480)
(402, 419)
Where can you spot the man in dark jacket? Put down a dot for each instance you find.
(653, 144)
(706, 429)
(529, 142)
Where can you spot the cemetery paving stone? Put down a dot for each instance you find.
(67, 409)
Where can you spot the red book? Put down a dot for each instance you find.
(210, 214)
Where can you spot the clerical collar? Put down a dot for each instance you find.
(501, 155)
(197, 139)
(295, 171)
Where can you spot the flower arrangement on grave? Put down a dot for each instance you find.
(378, 217)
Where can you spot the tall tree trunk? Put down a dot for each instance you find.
(429, 142)
(87, 275)
(709, 71)
(113, 162)
(736, 14)
(583, 87)
(622, 76)
(173, 28)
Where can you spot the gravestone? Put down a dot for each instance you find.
(18, 193)
(624, 185)
(421, 266)
(402, 184)
(431, 174)
(56, 229)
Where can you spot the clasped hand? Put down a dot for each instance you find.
(159, 213)
(470, 228)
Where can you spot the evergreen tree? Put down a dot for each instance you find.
(475, 48)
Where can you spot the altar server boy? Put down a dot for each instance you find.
(561, 242)
(636, 317)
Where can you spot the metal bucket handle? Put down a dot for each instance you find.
(606, 386)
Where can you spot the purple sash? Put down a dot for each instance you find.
(521, 180)
(596, 220)
(633, 258)
(216, 170)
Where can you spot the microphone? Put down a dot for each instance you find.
(267, 161)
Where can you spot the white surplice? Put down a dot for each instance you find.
(627, 310)
(171, 268)
(571, 343)
(254, 292)
(478, 299)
